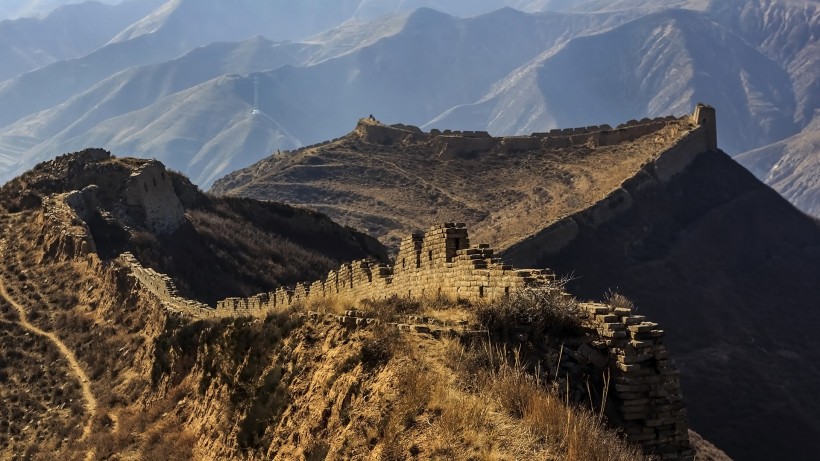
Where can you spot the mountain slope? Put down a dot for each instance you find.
(219, 109)
(711, 250)
(507, 72)
(137, 111)
(15, 9)
(791, 167)
(99, 362)
(392, 188)
(65, 33)
(788, 33)
(433, 62)
(661, 63)
(247, 247)
(183, 30)
(37, 137)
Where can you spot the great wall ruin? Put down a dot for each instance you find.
(442, 262)
(454, 143)
(550, 240)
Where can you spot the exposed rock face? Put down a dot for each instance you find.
(150, 188)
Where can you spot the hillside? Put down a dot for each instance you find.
(103, 357)
(791, 167)
(625, 72)
(734, 268)
(251, 246)
(65, 33)
(409, 180)
(194, 112)
(672, 223)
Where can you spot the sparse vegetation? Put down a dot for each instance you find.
(617, 300)
(540, 312)
(391, 308)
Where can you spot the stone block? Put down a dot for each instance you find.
(607, 318)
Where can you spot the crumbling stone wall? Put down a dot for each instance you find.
(452, 144)
(650, 409)
(163, 287)
(372, 131)
(700, 138)
(649, 405)
(440, 262)
(151, 189)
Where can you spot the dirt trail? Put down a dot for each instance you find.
(90, 401)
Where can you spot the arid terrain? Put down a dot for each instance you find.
(568, 230)
(712, 250)
(104, 254)
(97, 366)
(395, 189)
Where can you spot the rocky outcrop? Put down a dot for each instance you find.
(150, 188)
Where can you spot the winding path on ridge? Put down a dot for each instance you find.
(90, 401)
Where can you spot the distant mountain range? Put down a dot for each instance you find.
(175, 79)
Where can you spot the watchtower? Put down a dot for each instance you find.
(705, 115)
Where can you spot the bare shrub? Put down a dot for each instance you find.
(540, 310)
(618, 300)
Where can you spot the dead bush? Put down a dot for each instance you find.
(541, 311)
(618, 300)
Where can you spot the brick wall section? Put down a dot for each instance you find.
(650, 405)
(439, 262)
(164, 289)
(150, 188)
(699, 138)
(443, 262)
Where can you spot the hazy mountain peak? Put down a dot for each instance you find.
(149, 24)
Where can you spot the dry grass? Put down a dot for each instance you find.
(572, 433)
(487, 408)
(617, 300)
(567, 431)
(268, 381)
